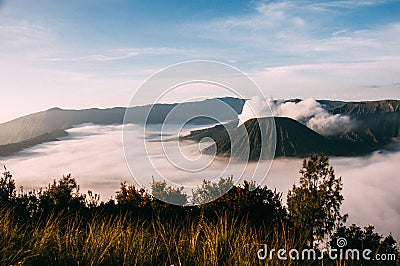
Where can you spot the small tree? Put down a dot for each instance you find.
(132, 196)
(253, 203)
(314, 206)
(7, 186)
(168, 194)
(209, 191)
(63, 195)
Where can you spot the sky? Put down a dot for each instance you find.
(81, 54)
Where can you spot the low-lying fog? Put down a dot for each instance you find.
(94, 156)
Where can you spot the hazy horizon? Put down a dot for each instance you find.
(173, 102)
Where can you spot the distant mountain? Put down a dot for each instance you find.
(362, 110)
(40, 127)
(377, 123)
(293, 139)
(38, 124)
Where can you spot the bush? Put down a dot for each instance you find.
(259, 205)
(366, 238)
(164, 193)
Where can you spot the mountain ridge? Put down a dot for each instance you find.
(378, 121)
(37, 124)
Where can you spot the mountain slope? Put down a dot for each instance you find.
(377, 121)
(293, 139)
(38, 124)
(296, 140)
(373, 121)
(35, 125)
(10, 149)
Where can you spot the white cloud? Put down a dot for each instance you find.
(255, 108)
(121, 53)
(368, 80)
(22, 33)
(308, 112)
(329, 5)
(268, 18)
(293, 31)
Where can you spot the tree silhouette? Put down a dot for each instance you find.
(314, 206)
(63, 195)
(367, 238)
(209, 191)
(7, 187)
(165, 193)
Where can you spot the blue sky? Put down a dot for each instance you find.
(79, 54)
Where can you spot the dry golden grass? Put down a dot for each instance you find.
(117, 241)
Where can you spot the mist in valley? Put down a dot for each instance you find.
(94, 155)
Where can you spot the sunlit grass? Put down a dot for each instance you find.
(61, 240)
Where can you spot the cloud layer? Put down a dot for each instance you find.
(94, 155)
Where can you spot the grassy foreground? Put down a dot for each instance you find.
(62, 240)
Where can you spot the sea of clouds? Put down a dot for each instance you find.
(94, 155)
